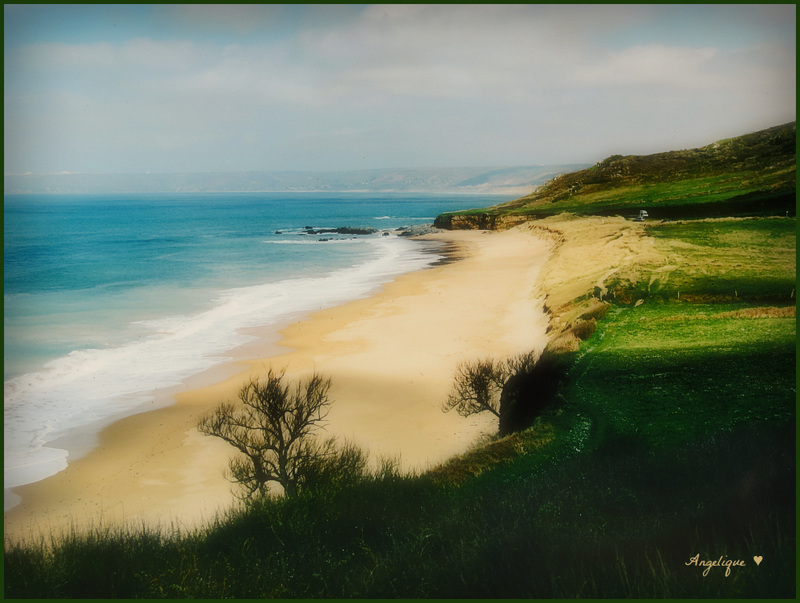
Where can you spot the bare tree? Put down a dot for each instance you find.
(476, 388)
(505, 388)
(273, 428)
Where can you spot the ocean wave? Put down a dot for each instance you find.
(299, 241)
(95, 386)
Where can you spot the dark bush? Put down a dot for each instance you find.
(584, 329)
(529, 391)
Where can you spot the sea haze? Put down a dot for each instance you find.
(513, 180)
(110, 297)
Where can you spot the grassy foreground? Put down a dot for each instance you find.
(676, 438)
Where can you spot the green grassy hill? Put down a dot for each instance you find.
(675, 438)
(672, 446)
(750, 175)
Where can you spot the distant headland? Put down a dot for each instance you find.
(514, 180)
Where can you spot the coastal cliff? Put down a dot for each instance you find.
(478, 221)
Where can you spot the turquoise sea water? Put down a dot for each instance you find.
(107, 298)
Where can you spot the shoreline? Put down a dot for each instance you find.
(58, 409)
(391, 357)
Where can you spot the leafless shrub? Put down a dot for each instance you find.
(479, 386)
(273, 428)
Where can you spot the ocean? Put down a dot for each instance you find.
(108, 298)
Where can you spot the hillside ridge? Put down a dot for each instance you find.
(508, 180)
(752, 174)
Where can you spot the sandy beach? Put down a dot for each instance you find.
(391, 358)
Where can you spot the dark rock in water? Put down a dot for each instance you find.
(344, 230)
(355, 231)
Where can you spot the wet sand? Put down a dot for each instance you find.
(391, 358)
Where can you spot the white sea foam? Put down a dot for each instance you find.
(95, 386)
(305, 241)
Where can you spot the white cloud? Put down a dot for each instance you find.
(137, 53)
(170, 56)
(236, 18)
(64, 56)
(428, 83)
(505, 52)
(652, 64)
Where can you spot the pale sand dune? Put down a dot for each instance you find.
(391, 358)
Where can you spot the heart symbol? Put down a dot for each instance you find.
(758, 559)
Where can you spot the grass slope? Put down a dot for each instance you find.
(675, 438)
(718, 260)
(750, 175)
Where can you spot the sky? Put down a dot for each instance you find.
(227, 88)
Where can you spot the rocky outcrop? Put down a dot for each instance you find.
(343, 230)
(478, 221)
(416, 230)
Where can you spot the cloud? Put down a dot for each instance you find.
(58, 55)
(235, 18)
(175, 55)
(137, 53)
(652, 64)
(261, 85)
(505, 52)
